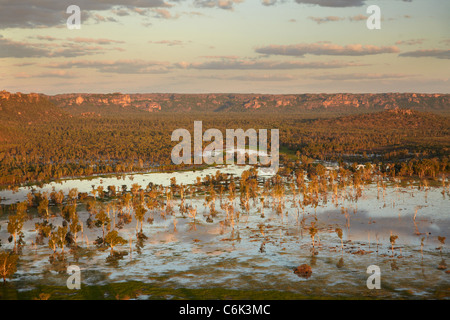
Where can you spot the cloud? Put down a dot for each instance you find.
(23, 64)
(222, 4)
(23, 49)
(234, 64)
(268, 2)
(255, 77)
(164, 14)
(170, 43)
(320, 20)
(430, 53)
(49, 74)
(299, 50)
(220, 57)
(333, 3)
(117, 66)
(47, 13)
(410, 42)
(122, 12)
(362, 76)
(95, 41)
(46, 38)
(99, 18)
(359, 17)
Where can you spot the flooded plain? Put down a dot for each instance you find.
(250, 252)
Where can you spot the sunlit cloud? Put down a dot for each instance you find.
(410, 42)
(255, 77)
(320, 20)
(362, 76)
(333, 3)
(299, 50)
(135, 66)
(222, 4)
(235, 64)
(428, 53)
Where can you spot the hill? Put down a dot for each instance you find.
(28, 108)
(262, 103)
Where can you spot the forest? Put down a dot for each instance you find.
(78, 146)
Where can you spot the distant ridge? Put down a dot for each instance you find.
(166, 102)
(34, 107)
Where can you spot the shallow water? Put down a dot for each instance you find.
(260, 253)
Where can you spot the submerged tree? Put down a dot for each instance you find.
(114, 239)
(102, 220)
(16, 221)
(8, 265)
(139, 213)
(312, 232)
(392, 239)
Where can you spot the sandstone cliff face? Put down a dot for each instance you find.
(253, 104)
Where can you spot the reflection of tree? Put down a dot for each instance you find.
(141, 238)
(58, 263)
(340, 263)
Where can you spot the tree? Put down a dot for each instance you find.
(139, 213)
(73, 194)
(57, 197)
(8, 264)
(61, 237)
(312, 232)
(102, 220)
(43, 207)
(113, 239)
(392, 240)
(74, 226)
(15, 223)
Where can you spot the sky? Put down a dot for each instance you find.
(225, 46)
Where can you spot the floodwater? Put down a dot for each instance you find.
(260, 252)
